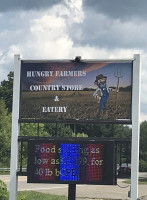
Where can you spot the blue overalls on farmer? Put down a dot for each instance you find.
(104, 99)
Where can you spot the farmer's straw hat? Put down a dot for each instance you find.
(100, 76)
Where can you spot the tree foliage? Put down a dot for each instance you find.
(6, 91)
(143, 146)
(59, 130)
(3, 191)
(143, 137)
(105, 130)
(5, 134)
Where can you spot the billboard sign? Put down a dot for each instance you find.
(69, 90)
(84, 162)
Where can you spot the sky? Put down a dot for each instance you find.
(64, 29)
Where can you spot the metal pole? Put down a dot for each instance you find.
(75, 128)
(72, 187)
(135, 127)
(71, 191)
(15, 129)
(38, 129)
(21, 157)
(56, 128)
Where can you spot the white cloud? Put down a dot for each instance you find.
(143, 117)
(47, 23)
(46, 36)
(123, 10)
(102, 31)
(75, 11)
(144, 81)
(15, 5)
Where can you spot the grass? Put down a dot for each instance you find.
(141, 181)
(4, 173)
(32, 195)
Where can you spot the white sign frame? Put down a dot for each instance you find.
(135, 126)
(15, 129)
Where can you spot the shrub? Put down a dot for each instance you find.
(142, 166)
(3, 191)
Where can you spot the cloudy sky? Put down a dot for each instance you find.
(64, 29)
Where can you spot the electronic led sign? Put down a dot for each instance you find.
(71, 162)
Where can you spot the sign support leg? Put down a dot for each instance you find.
(15, 130)
(71, 191)
(135, 127)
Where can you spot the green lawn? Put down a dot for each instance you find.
(32, 195)
(4, 173)
(141, 181)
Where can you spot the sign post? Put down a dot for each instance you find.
(95, 91)
(135, 127)
(71, 191)
(72, 187)
(15, 129)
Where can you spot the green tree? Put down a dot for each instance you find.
(5, 134)
(33, 129)
(6, 91)
(122, 131)
(104, 130)
(143, 146)
(59, 130)
(3, 191)
(143, 137)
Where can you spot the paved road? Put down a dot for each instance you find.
(82, 191)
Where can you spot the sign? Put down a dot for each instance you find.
(27, 105)
(69, 90)
(84, 162)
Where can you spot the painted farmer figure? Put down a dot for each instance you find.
(101, 82)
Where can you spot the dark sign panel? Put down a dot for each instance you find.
(71, 90)
(71, 162)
